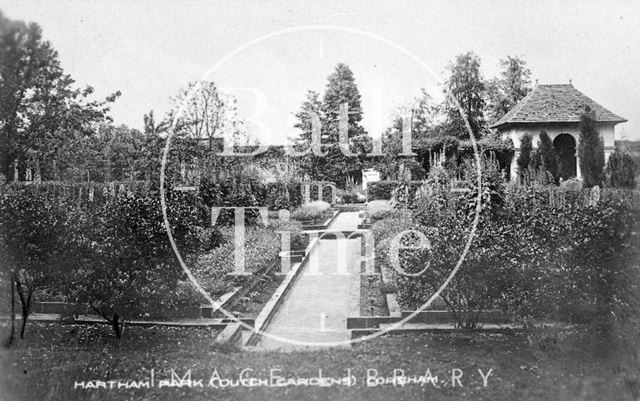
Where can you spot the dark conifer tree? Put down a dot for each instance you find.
(590, 151)
(524, 158)
(549, 159)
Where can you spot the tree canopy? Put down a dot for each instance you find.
(506, 90)
(334, 165)
(40, 110)
(466, 85)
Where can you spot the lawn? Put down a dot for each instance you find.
(46, 364)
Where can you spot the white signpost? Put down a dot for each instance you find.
(369, 175)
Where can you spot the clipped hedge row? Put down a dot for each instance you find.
(382, 190)
(250, 192)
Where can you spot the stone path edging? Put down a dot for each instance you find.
(268, 311)
(323, 226)
(93, 319)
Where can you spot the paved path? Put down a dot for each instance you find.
(345, 221)
(317, 306)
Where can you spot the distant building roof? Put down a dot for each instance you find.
(554, 104)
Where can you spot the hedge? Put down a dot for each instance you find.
(382, 190)
(251, 192)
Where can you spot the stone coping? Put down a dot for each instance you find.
(424, 317)
(323, 226)
(270, 309)
(94, 319)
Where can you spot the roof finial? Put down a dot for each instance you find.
(570, 81)
(536, 81)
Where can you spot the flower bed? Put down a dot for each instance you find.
(215, 269)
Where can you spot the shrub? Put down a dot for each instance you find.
(621, 170)
(280, 195)
(121, 262)
(480, 284)
(572, 184)
(30, 242)
(398, 220)
(383, 190)
(347, 196)
(379, 209)
(380, 190)
(404, 194)
(311, 211)
(540, 253)
(491, 192)
(352, 195)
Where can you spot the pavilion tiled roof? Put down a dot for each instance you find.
(556, 103)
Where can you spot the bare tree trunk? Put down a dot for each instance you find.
(13, 312)
(117, 323)
(117, 328)
(25, 315)
(25, 301)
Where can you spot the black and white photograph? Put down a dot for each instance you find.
(319, 200)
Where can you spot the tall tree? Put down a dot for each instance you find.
(505, 91)
(334, 165)
(39, 108)
(151, 127)
(341, 88)
(467, 87)
(420, 115)
(205, 113)
(590, 150)
(311, 106)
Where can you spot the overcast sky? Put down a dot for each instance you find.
(149, 50)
